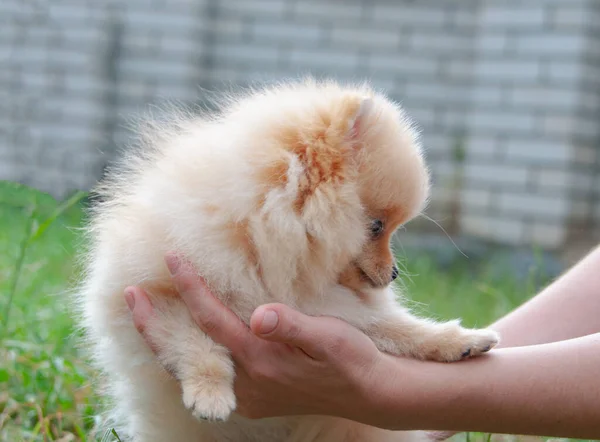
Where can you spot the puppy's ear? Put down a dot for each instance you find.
(358, 122)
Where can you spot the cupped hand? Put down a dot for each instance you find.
(287, 363)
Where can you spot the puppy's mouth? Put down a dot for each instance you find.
(364, 276)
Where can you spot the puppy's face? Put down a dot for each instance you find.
(394, 186)
(375, 266)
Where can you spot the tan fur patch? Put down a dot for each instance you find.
(240, 239)
(323, 148)
(211, 209)
(163, 288)
(274, 175)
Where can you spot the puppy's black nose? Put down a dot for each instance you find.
(394, 273)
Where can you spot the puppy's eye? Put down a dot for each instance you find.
(376, 228)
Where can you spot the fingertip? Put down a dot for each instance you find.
(140, 306)
(264, 320)
(130, 298)
(173, 262)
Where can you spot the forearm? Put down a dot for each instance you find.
(566, 309)
(546, 390)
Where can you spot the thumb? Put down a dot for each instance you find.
(280, 323)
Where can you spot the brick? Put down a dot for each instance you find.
(487, 94)
(544, 98)
(423, 116)
(587, 127)
(74, 58)
(273, 8)
(567, 45)
(583, 128)
(547, 235)
(475, 198)
(440, 42)
(585, 154)
(365, 38)
(482, 146)
(141, 42)
(533, 151)
(232, 54)
(316, 9)
(169, 20)
(508, 69)
(33, 55)
(557, 125)
(442, 171)
(419, 90)
(434, 143)
(170, 91)
(499, 174)
(223, 74)
(73, 12)
(386, 84)
(457, 69)
(300, 33)
(561, 71)
(483, 120)
(226, 27)
(450, 119)
(83, 85)
(79, 34)
(404, 64)
(406, 14)
(142, 69)
(302, 58)
(507, 230)
(536, 206)
(553, 179)
(570, 17)
(580, 209)
(462, 19)
(34, 80)
(173, 47)
(492, 43)
(512, 16)
(441, 196)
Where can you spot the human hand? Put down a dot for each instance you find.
(287, 363)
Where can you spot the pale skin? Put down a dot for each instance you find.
(542, 379)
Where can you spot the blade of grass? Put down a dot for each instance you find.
(66, 205)
(114, 433)
(18, 268)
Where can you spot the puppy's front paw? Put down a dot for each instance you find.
(458, 343)
(477, 342)
(209, 402)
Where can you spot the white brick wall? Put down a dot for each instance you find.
(519, 80)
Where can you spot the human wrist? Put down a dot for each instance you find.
(409, 394)
(385, 394)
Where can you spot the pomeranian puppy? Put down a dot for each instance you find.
(290, 194)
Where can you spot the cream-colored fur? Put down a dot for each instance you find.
(272, 200)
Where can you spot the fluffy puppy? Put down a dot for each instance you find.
(288, 194)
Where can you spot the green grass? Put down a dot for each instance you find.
(45, 384)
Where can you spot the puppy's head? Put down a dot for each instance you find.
(393, 184)
(350, 163)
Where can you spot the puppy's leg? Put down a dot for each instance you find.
(399, 332)
(204, 369)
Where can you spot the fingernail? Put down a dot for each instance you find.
(130, 299)
(173, 263)
(269, 322)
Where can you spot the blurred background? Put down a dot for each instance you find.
(506, 94)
